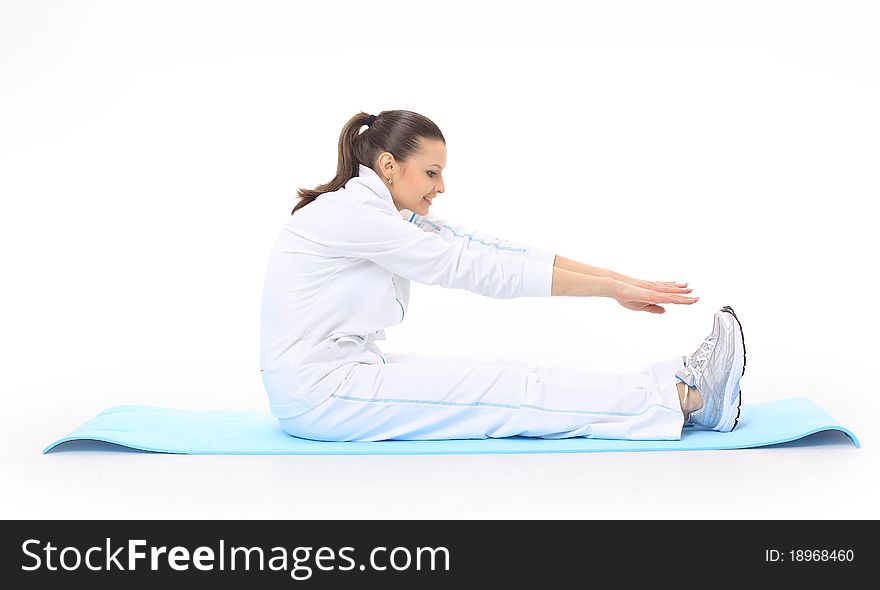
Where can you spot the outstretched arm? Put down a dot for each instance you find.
(367, 229)
(598, 271)
(627, 291)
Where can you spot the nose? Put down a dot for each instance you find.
(439, 188)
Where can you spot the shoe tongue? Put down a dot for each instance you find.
(687, 376)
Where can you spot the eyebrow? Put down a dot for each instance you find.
(437, 165)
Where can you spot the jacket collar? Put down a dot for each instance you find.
(367, 177)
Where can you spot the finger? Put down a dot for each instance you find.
(674, 298)
(670, 288)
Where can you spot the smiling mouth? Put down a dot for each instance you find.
(427, 199)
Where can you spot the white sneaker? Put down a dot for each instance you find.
(715, 369)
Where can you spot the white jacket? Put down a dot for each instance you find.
(339, 274)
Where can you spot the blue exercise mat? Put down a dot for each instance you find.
(216, 432)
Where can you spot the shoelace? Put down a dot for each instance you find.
(697, 361)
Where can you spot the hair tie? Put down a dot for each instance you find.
(370, 120)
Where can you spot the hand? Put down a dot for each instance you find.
(643, 299)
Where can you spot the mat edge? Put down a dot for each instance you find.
(107, 440)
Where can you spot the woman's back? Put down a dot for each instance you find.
(315, 297)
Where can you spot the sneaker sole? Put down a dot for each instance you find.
(732, 389)
(744, 355)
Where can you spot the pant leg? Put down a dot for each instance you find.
(415, 397)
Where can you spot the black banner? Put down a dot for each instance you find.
(392, 554)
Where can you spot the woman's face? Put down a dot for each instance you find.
(418, 179)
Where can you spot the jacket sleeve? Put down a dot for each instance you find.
(475, 239)
(375, 233)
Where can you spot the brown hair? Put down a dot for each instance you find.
(397, 132)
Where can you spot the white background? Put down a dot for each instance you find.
(150, 151)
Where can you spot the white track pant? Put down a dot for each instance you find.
(414, 397)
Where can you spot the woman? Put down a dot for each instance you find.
(339, 274)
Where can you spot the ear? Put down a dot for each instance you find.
(386, 162)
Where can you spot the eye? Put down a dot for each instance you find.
(430, 173)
